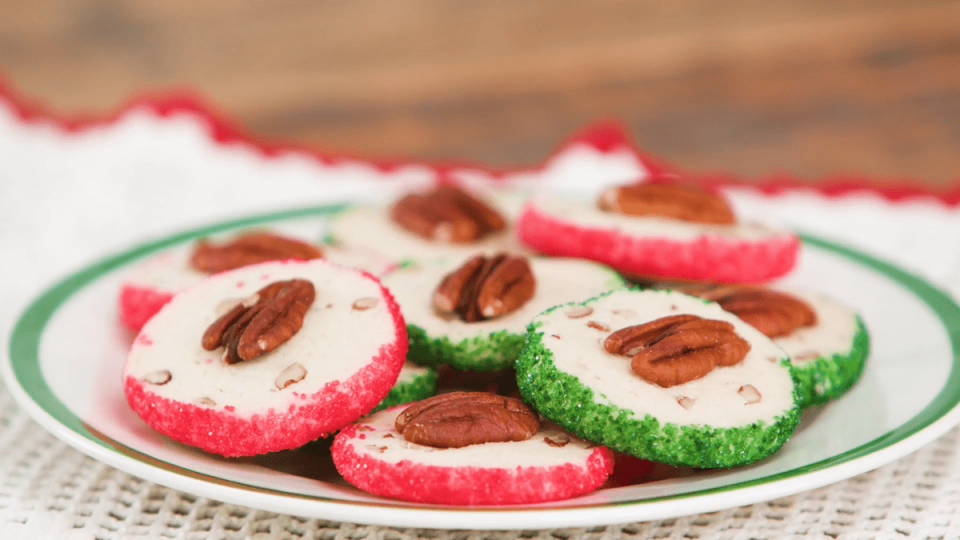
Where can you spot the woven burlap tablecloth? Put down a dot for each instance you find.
(70, 197)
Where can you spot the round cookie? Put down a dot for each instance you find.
(731, 416)
(372, 455)
(414, 383)
(828, 357)
(490, 344)
(827, 342)
(378, 227)
(155, 280)
(656, 246)
(339, 365)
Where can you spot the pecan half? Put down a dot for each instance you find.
(485, 287)
(247, 249)
(773, 313)
(459, 419)
(446, 214)
(677, 201)
(262, 323)
(678, 349)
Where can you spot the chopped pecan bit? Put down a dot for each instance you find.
(676, 201)
(559, 442)
(249, 249)
(293, 373)
(446, 214)
(158, 377)
(459, 419)
(599, 326)
(773, 313)
(365, 303)
(749, 394)
(206, 401)
(804, 356)
(685, 402)
(678, 349)
(484, 288)
(577, 311)
(254, 328)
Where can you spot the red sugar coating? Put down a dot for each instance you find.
(140, 302)
(703, 258)
(468, 486)
(222, 431)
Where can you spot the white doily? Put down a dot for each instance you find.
(69, 199)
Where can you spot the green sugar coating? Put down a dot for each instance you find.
(823, 379)
(490, 352)
(420, 387)
(567, 401)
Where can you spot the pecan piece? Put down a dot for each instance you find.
(446, 214)
(773, 313)
(247, 249)
(261, 323)
(678, 349)
(676, 201)
(485, 287)
(459, 419)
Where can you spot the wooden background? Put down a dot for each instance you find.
(749, 87)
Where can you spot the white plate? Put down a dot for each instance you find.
(67, 350)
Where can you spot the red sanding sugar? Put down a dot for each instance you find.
(138, 303)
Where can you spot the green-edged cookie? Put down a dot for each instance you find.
(491, 344)
(828, 357)
(415, 383)
(731, 416)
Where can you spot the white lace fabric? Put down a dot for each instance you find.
(67, 199)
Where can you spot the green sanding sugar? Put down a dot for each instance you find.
(567, 401)
(419, 387)
(826, 378)
(489, 352)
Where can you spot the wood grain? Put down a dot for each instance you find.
(749, 87)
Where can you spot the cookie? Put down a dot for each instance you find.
(544, 463)
(443, 222)
(683, 236)
(828, 356)
(154, 281)
(684, 401)
(414, 383)
(827, 342)
(266, 357)
(471, 341)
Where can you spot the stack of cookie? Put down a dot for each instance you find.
(550, 367)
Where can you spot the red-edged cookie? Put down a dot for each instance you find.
(705, 243)
(549, 465)
(341, 361)
(153, 282)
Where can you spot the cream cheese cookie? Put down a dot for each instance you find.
(667, 234)
(673, 394)
(469, 340)
(266, 357)
(523, 461)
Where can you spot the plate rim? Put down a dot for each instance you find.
(938, 416)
